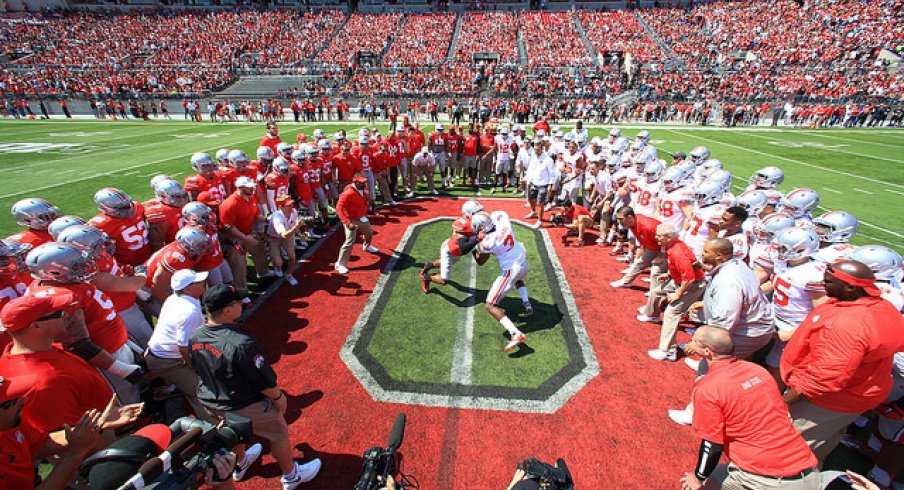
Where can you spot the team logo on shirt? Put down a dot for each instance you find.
(259, 361)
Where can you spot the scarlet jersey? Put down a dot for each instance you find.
(364, 155)
(314, 172)
(229, 175)
(462, 227)
(501, 242)
(438, 142)
(277, 183)
(326, 168)
(105, 327)
(834, 252)
(791, 300)
(122, 300)
(453, 143)
(470, 144)
(302, 183)
(13, 286)
(169, 217)
(130, 235)
(32, 238)
(213, 258)
(172, 258)
(646, 197)
(698, 233)
(195, 184)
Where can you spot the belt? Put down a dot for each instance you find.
(796, 476)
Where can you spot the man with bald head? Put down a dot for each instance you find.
(838, 363)
(740, 413)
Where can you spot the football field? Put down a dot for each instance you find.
(857, 170)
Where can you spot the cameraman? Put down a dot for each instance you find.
(235, 378)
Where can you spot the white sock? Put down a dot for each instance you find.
(880, 476)
(522, 291)
(292, 474)
(510, 326)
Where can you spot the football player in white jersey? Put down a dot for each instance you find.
(505, 148)
(762, 251)
(797, 287)
(767, 179)
(497, 238)
(571, 171)
(706, 169)
(707, 214)
(886, 265)
(649, 187)
(676, 201)
(461, 243)
(800, 204)
(731, 229)
(614, 134)
(835, 230)
(755, 203)
(728, 198)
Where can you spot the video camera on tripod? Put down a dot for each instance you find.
(130, 465)
(380, 462)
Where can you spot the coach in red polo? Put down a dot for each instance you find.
(739, 412)
(239, 219)
(644, 230)
(351, 209)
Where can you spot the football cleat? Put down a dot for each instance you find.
(515, 342)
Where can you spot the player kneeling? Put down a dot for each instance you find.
(462, 242)
(497, 238)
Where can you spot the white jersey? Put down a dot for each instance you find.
(669, 209)
(567, 167)
(504, 147)
(602, 182)
(697, 233)
(647, 195)
(892, 294)
(791, 300)
(728, 200)
(595, 157)
(834, 252)
(760, 254)
(772, 196)
(501, 242)
(740, 243)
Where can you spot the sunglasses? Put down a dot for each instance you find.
(51, 316)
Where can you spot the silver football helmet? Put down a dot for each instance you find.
(619, 145)
(58, 225)
(799, 202)
(265, 153)
(470, 208)
(12, 257)
(699, 155)
(281, 166)
(836, 226)
(482, 222)
(615, 133)
(754, 201)
(708, 193)
(114, 202)
(672, 178)
(203, 164)
(767, 178)
(158, 179)
(723, 177)
(653, 171)
(222, 156)
(710, 166)
(239, 160)
(34, 213)
(171, 193)
(193, 240)
(319, 134)
(299, 156)
(795, 243)
(765, 229)
(284, 149)
(324, 145)
(310, 149)
(196, 214)
(643, 135)
(91, 241)
(883, 261)
(60, 262)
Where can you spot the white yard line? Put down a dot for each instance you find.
(836, 150)
(895, 192)
(805, 164)
(831, 190)
(821, 134)
(863, 191)
(462, 356)
(100, 174)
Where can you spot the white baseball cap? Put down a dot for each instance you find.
(185, 278)
(244, 182)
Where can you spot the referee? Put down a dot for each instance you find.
(235, 378)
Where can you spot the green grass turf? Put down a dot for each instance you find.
(415, 336)
(858, 170)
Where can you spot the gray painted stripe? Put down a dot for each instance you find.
(462, 357)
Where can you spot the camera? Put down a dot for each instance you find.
(380, 462)
(547, 476)
(557, 220)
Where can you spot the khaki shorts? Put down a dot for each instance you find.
(266, 421)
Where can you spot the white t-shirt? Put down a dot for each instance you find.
(279, 223)
(179, 316)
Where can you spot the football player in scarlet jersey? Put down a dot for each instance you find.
(277, 182)
(36, 215)
(164, 213)
(238, 165)
(191, 244)
(14, 276)
(461, 243)
(123, 220)
(207, 180)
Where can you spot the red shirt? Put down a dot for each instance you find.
(240, 212)
(105, 328)
(644, 230)
(11, 287)
(65, 387)
(172, 258)
(453, 142)
(352, 205)
(738, 404)
(346, 166)
(31, 237)
(841, 355)
(363, 155)
(271, 142)
(130, 235)
(576, 211)
(16, 448)
(122, 300)
(487, 142)
(681, 263)
(229, 175)
(214, 258)
(470, 145)
(168, 217)
(380, 161)
(302, 184)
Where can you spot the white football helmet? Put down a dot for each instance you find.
(34, 213)
(58, 225)
(653, 171)
(672, 178)
(795, 243)
(615, 133)
(767, 178)
(482, 222)
(619, 145)
(836, 226)
(60, 262)
(799, 202)
(699, 155)
(470, 208)
(643, 135)
(319, 134)
(753, 201)
(765, 229)
(883, 261)
(708, 193)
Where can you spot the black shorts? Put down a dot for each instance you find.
(537, 193)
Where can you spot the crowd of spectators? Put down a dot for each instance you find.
(551, 39)
(362, 32)
(423, 41)
(444, 80)
(492, 32)
(618, 31)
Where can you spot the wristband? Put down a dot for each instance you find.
(121, 369)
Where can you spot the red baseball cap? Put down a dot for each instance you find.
(15, 387)
(285, 201)
(360, 178)
(22, 312)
